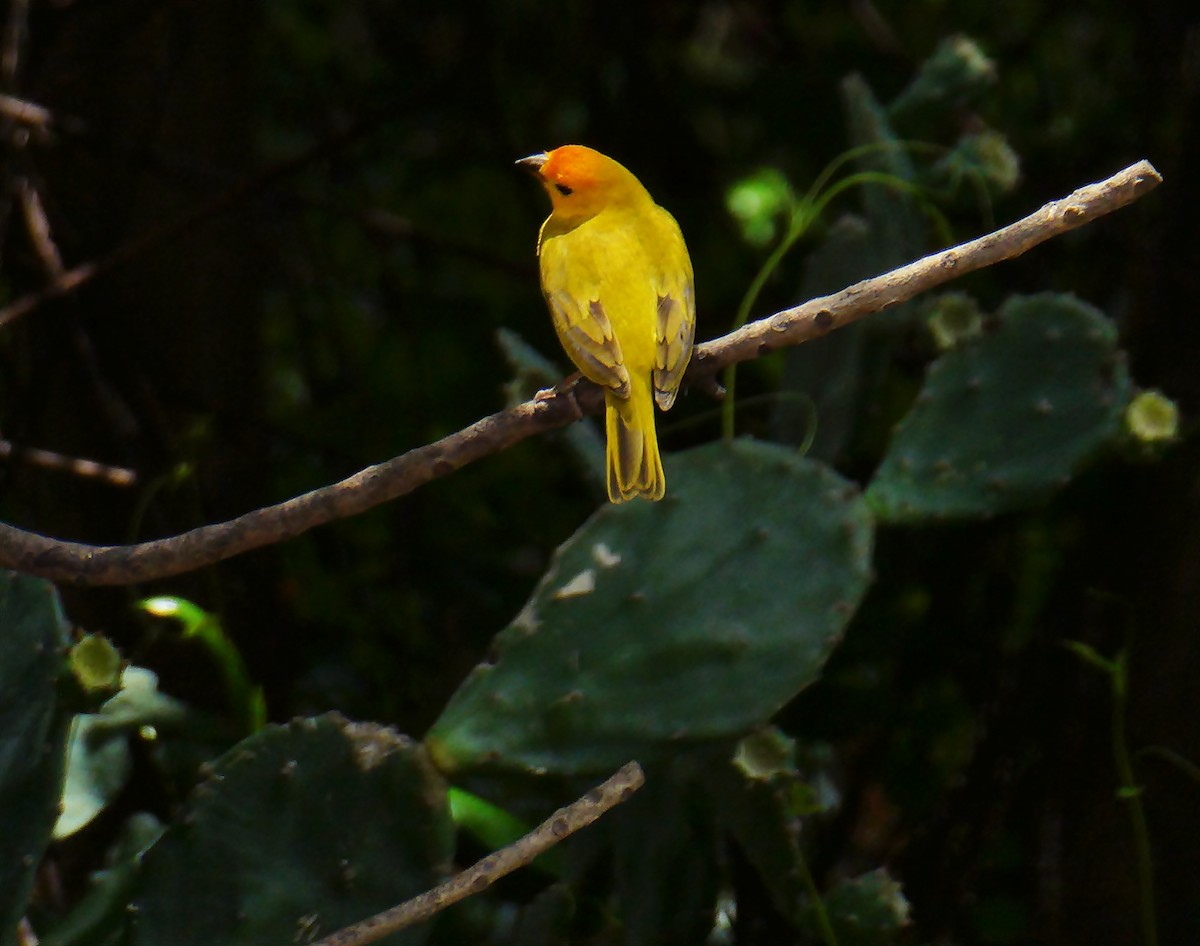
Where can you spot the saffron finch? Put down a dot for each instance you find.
(618, 280)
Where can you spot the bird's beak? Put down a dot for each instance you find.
(533, 163)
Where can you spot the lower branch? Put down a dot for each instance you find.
(74, 563)
(560, 825)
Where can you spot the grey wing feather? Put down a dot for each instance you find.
(675, 334)
(589, 341)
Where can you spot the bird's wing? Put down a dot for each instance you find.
(571, 281)
(675, 326)
(587, 335)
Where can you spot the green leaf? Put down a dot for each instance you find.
(33, 735)
(299, 831)
(496, 828)
(98, 758)
(664, 624)
(97, 767)
(758, 203)
(1005, 419)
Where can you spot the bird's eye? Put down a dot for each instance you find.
(564, 190)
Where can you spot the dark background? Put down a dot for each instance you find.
(358, 235)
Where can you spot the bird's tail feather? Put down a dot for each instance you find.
(634, 465)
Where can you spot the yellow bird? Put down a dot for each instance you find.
(619, 284)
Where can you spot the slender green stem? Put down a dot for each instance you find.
(824, 925)
(862, 151)
(805, 212)
(1131, 793)
(799, 223)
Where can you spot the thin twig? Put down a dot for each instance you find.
(76, 563)
(12, 135)
(38, 226)
(563, 823)
(23, 112)
(49, 460)
(246, 190)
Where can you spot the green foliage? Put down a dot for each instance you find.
(901, 185)
(759, 202)
(33, 735)
(245, 698)
(765, 202)
(98, 757)
(957, 74)
(664, 624)
(984, 160)
(494, 827)
(1008, 417)
(761, 810)
(296, 832)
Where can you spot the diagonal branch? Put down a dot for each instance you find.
(525, 850)
(818, 316)
(71, 562)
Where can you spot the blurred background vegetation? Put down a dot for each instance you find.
(353, 236)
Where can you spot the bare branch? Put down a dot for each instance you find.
(74, 563)
(70, 562)
(26, 113)
(38, 226)
(819, 316)
(560, 825)
(49, 460)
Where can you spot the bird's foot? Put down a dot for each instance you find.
(565, 388)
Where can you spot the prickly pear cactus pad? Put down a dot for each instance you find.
(1007, 417)
(33, 735)
(660, 624)
(298, 831)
